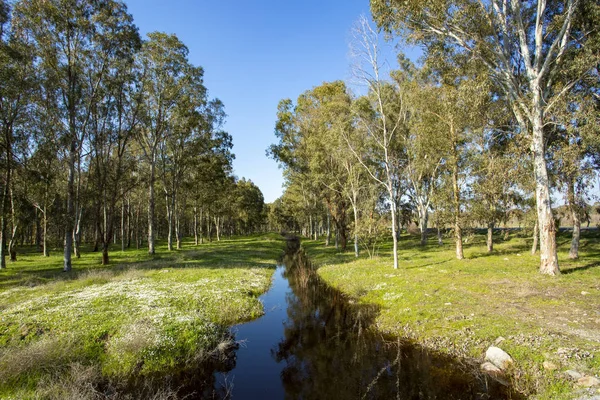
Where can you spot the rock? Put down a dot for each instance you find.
(549, 366)
(505, 259)
(584, 293)
(447, 304)
(498, 357)
(573, 374)
(588, 381)
(499, 340)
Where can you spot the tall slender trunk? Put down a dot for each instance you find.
(69, 224)
(355, 209)
(45, 238)
(137, 225)
(177, 223)
(169, 206)
(457, 227)
(151, 247)
(394, 234)
(217, 230)
(328, 238)
(201, 230)
(128, 222)
(196, 225)
(439, 236)
(490, 237)
(575, 215)
(123, 225)
(5, 194)
(423, 220)
(536, 235)
(13, 220)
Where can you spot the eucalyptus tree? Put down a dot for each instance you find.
(17, 87)
(75, 43)
(114, 122)
(164, 64)
(525, 46)
(382, 116)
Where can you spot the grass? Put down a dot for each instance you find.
(63, 335)
(463, 307)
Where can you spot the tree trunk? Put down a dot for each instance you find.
(11, 244)
(355, 209)
(439, 236)
(536, 235)
(394, 235)
(67, 266)
(196, 225)
(457, 228)
(45, 239)
(169, 223)
(123, 225)
(423, 219)
(574, 251)
(548, 255)
(328, 238)
(177, 224)
(201, 227)
(151, 248)
(490, 237)
(77, 236)
(217, 231)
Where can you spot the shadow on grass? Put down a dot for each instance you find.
(581, 268)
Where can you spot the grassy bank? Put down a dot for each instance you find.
(463, 307)
(63, 334)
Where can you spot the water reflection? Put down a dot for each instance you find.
(330, 351)
(313, 343)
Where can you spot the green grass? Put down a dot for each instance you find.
(462, 307)
(138, 317)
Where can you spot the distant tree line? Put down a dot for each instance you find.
(502, 110)
(107, 138)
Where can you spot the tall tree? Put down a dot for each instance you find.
(163, 61)
(75, 43)
(525, 45)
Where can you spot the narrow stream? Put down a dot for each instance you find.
(313, 343)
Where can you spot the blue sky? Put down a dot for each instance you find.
(255, 53)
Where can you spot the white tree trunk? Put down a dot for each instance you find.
(548, 255)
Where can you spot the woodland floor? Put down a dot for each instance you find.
(64, 335)
(463, 307)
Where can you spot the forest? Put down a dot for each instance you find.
(108, 138)
(496, 125)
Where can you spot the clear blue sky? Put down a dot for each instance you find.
(255, 53)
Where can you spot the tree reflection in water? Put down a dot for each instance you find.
(331, 351)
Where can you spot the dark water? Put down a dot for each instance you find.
(312, 343)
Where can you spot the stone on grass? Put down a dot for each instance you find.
(498, 357)
(588, 381)
(499, 340)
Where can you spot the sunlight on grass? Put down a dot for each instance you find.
(462, 307)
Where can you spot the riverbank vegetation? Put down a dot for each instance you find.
(461, 307)
(101, 330)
